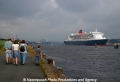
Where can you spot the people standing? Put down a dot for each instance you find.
(23, 52)
(15, 52)
(38, 55)
(8, 48)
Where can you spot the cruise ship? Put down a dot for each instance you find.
(88, 39)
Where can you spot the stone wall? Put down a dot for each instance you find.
(52, 73)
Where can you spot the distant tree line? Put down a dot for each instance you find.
(112, 41)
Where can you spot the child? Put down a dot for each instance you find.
(38, 55)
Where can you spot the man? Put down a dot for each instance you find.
(8, 48)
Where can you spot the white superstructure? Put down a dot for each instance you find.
(91, 35)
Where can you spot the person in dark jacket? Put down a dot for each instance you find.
(38, 55)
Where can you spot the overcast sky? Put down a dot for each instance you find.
(54, 20)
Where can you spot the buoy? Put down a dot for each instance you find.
(95, 45)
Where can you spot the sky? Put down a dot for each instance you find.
(54, 20)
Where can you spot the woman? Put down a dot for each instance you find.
(15, 52)
(38, 55)
(23, 52)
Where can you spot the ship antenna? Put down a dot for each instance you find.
(96, 30)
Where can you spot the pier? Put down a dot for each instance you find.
(45, 72)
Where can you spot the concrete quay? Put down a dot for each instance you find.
(45, 72)
(21, 73)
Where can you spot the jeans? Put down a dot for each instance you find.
(15, 54)
(22, 57)
(37, 59)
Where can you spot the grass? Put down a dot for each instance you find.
(2, 43)
(1, 46)
(31, 50)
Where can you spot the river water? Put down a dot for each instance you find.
(80, 62)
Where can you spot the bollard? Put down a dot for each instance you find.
(44, 56)
(53, 63)
(50, 61)
(60, 69)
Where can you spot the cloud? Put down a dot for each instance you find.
(54, 4)
(77, 5)
(54, 20)
(20, 7)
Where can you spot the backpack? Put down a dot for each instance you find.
(22, 48)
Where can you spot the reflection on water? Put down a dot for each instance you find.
(101, 63)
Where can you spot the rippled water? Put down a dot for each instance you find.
(101, 63)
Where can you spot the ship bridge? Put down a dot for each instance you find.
(98, 35)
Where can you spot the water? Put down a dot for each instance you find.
(101, 63)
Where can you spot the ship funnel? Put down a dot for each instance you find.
(80, 31)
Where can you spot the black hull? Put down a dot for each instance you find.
(101, 42)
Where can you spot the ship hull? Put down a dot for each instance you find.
(100, 42)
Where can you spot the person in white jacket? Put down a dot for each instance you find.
(15, 52)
